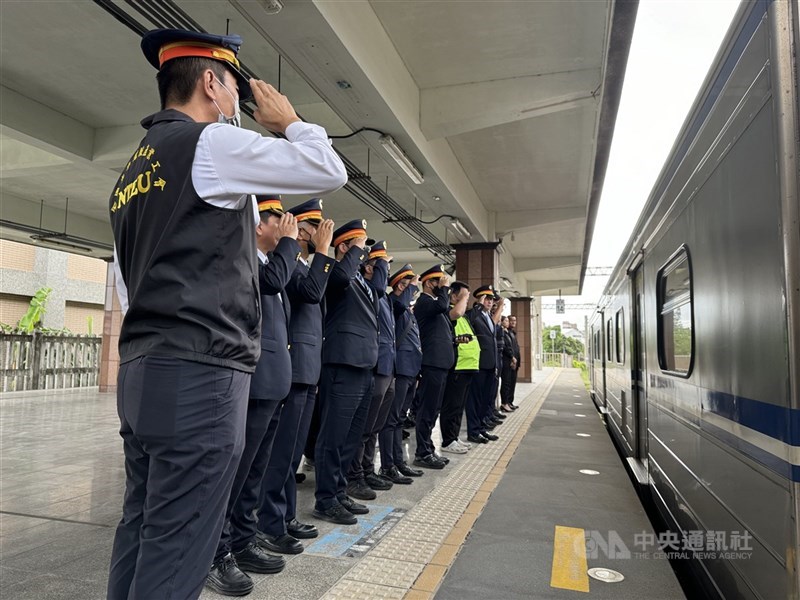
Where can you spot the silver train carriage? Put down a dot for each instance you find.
(695, 347)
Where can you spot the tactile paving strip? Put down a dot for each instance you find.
(405, 550)
(386, 572)
(415, 530)
(444, 502)
(347, 589)
(436, 517)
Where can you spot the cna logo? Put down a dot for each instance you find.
(608, 546)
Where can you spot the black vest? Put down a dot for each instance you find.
(190, 267)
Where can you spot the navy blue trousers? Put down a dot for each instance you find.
(382, 397)
(391, 436)
(278, 488)
(241, 525)
(345, 396)
(479, 391)
(431, 393)
(182, 425)
(455, 397)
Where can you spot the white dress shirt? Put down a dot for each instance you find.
(230, 163)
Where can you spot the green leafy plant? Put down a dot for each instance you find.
(36, 310)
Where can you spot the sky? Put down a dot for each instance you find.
(674, 43)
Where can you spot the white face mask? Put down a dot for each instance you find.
(236, 119)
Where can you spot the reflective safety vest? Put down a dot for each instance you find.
(469, 354)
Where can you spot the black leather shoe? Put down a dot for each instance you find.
(444, 459)
(513, 406)
(393, 475)
(336, 514)
(489, 424)
(410, 422)
(301, 531)
(254, 560)
(282, 544)
(477, 439)
(358, 488)
(429, 462)
(228, 579)
(377, 483)
(406, 435)
(353, 507)
(408, 471)
(490, 436)
(299, 477)
(499, 415)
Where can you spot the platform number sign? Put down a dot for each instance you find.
(559, 306)
(552, 334)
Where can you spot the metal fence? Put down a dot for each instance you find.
(45, 362)
(557, 359)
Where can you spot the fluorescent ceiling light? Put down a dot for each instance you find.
(500, 248)
(459, 228)
(396, 152)
(506, 282)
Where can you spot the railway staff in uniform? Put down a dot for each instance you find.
(459, 378)
(279, 529)
(185, 263)
(511, 362)
(238, 549)
(408, 363)
(349, 354)
(434, 314)
(480, 404)
(362, 481)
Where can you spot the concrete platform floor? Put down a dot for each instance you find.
(62, 480)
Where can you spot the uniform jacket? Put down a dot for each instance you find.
(486, 337)
(273, 376)
(409, 348)
(436, 332)
(511, 347)
(386, 348)
(351, 319)
(306, 292)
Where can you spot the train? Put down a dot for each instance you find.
(694, 348)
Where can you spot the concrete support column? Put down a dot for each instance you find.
(521, 308)
(52, 268)
(477, 264)
(536, 333)
(112, 321)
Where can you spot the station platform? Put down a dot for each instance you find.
(511, 519)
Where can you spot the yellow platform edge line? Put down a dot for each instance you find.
(569, 560)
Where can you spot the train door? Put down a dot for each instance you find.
(638, 365)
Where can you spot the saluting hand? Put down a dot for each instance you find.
(274, 111)
(323, 236)
(360, 242)
(287, 226)
(444, 281)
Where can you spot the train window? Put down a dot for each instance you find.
(620, 337)
(609, 339)
(675, 327)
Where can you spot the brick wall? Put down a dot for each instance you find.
(12, 307)
(20, 257)
(86, 268)
(76, 313)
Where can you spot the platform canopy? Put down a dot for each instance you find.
(506, 109)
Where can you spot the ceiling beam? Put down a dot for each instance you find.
(538, 287)
(455, 109)
(32, 122)
(113, 146)
(514, 220)
(523, 265)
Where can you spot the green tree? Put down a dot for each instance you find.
(561, 343)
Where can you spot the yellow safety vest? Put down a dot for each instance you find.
(469, 354)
